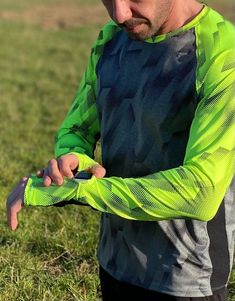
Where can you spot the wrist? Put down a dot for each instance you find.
(36, 194)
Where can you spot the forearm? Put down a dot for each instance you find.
(36, 193)
(183, 192)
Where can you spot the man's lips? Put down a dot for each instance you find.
(132, 27)
(132, 24)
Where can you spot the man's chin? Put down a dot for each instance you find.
(138, 36)
(138, 32)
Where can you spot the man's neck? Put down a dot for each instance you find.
(182, 12)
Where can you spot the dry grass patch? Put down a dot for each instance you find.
(71, 15)
(59, 16)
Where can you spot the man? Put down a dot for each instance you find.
(159, 91)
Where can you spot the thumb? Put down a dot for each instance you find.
(97, 170)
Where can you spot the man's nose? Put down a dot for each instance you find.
(121, 11)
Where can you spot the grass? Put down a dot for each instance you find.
(18, 5)
(52, 255)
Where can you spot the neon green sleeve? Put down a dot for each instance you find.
(194, 190)
(80, 130)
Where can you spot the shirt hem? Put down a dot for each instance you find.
(194, 293)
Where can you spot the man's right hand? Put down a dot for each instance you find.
(65, 166)
(59, 168)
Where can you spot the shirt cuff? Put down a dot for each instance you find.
(36, 194)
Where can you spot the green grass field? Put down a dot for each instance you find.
(44, 50)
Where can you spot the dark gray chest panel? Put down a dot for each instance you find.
(146, 101)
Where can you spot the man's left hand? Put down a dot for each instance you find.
(15, 203)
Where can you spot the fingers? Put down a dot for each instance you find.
(53, 173)
(97, 170)
(12, 218)
(43, 173)
(65, 168)
(73, 162)
(57, 169)
(46, 178)
(15, 203)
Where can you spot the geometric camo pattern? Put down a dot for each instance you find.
(165, 112)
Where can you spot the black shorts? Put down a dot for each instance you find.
(114, 290)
